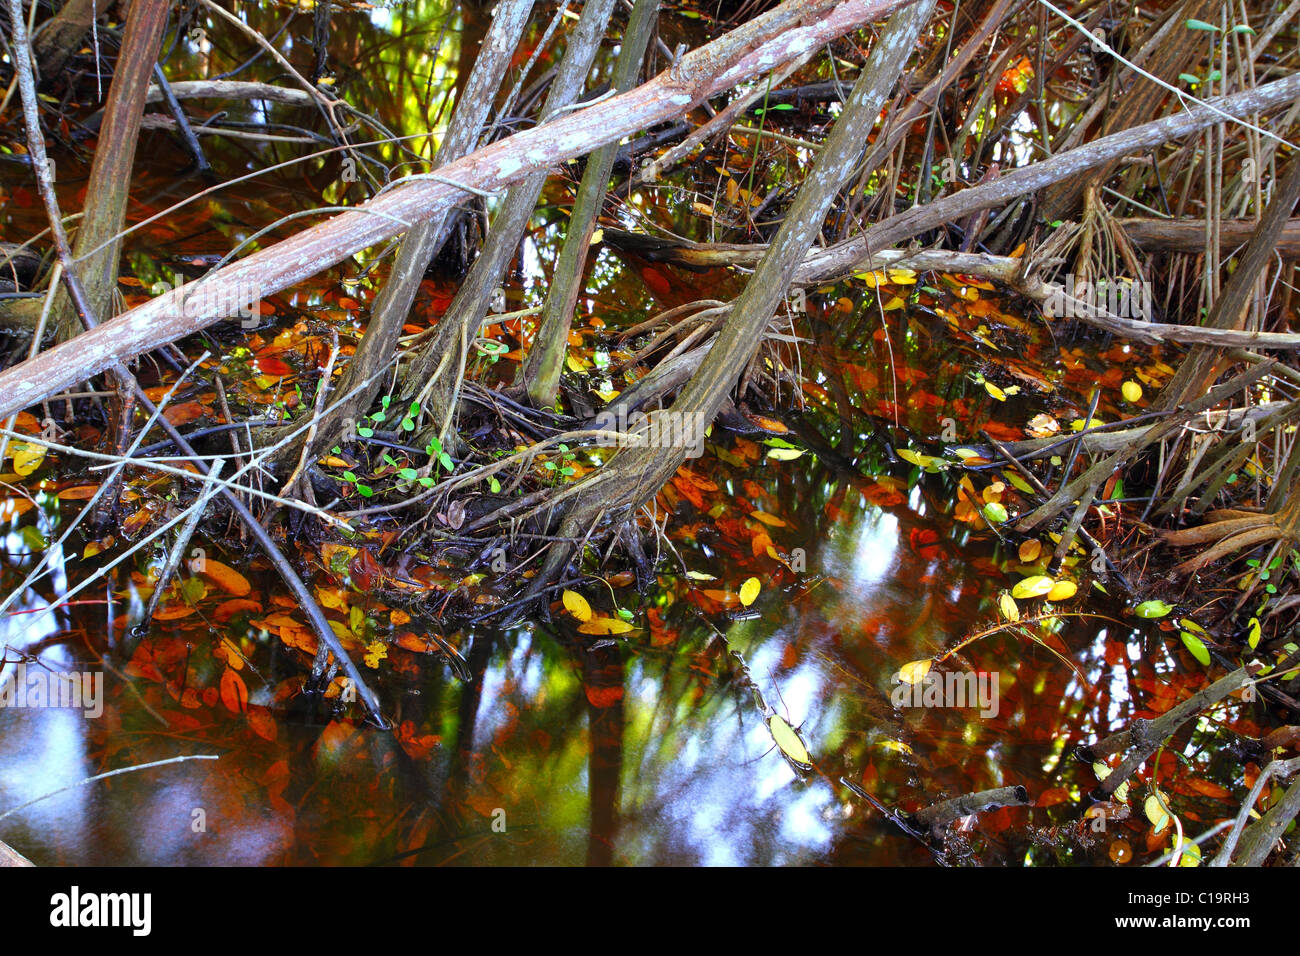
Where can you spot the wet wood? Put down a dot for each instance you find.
(1188, 235)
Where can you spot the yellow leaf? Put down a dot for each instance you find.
(749, 591)
(1032, 587)
(893, 304)
(1007, 605)
(596, 236)
(996, 392)
(27, 457)
(914, 672)
(700, 576)
(576, 605)
(902, 277)
(787, 738)
(1062, 591)
(376, 651)
(767, 519)
(1131, 391)
(604, 625)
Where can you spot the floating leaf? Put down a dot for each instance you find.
(604, 625)
(995, 512)
(787, 738)
(1152, 609)
(1032, 587)
(1007, 605)
(1062, 591)
(1155, 813)
(915, 671)
(1030, 550)
(576, 605)
(1197, 647)
(27, 457)
(749, 591)
(700, 576)
(784, 454)
(767, 519)
(1131, 391)
(1252, 633)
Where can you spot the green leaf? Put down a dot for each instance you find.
(494, 485)
(444, 459)
(409, 474)
(408, 425)
(365, 432)
(995, 512)
(1197, 647)
(1242, 28)
(1152, 609)
(349, 476)
(1201, 25)
(1189, 78)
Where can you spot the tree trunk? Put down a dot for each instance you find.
(637, 473)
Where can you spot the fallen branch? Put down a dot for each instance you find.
(946, 811)
(759, 46)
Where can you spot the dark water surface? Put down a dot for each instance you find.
(652, 749)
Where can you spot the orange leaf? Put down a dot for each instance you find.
(173, 612)
(262, 723)
(183, 413)
(234, 693)
(273, 367)
(228, 609)
(224, 577)
(767, 519)
(78, 493)
(415, 643)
